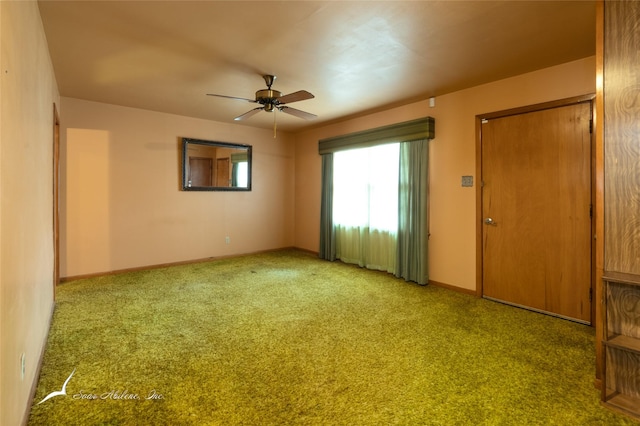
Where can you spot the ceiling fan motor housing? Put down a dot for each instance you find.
(268, 98)
(267, 95)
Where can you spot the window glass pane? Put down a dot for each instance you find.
(243, 175)
(383, 187)
(365, 185)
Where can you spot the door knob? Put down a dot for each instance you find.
(489, 221)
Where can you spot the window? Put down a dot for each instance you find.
(374, 207)
(241, 174)
(365, 185)
(365, 205)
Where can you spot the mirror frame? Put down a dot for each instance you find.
(185, 160)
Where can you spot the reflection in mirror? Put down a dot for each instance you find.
(215, 166)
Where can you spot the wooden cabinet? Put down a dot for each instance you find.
(621, 342)
(618, 327)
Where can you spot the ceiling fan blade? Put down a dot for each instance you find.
(297, 113)
(300, 95)
(232, 97)
(248, 114)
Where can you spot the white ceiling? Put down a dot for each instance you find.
(354, 56)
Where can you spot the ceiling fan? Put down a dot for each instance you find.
(271, 100)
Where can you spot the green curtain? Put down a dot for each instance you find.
(327, 232)
(371, 249)
(412, 249)
(234, 174)
(413, 233)
(413, 130)
(240, 157)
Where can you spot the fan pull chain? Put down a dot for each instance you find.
(274, 122)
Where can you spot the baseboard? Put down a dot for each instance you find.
(209, 259)
(452, 287)
(315, 253)
(165, 265)
(36, 377)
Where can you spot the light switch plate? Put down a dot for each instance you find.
(467, 180)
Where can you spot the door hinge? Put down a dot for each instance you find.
(590, 294)
(591, 210)
(591, 126)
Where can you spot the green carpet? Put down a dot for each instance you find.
(284, 338)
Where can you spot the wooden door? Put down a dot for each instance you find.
(200, 171)
(222, 172)
(536, 206)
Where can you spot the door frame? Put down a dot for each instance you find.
(596, 188)
(56, 201)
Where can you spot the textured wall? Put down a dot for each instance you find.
(28, 91)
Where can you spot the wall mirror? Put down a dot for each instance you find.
(215, 166)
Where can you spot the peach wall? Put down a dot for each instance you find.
(28, 91)
(121, 202)
(452, 246)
